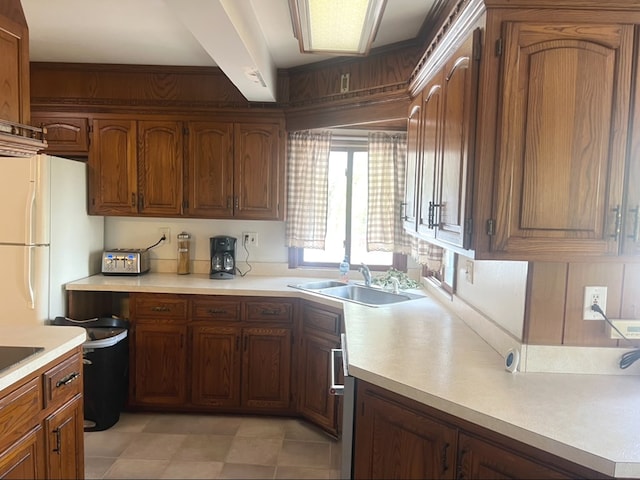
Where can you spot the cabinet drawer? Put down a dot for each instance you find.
(160, 306)
(63, 381)
(320, 320)
(274, 311)
(216, 309)
(19, 408)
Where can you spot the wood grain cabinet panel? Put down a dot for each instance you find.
(442, 170)
(65, 135)
(65, 443)
(209, 179)
(258, 183)
(113, 167)
(160, 372)
(160, 165)
(22, 460)
(216, 364)
(266, 368)
(563, 134)
(321, 327)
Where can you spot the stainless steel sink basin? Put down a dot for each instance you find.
(319, 285)
(361, 294)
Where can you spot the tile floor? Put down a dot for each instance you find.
(145, 445)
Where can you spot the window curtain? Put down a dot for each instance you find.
(385, 232)
(307, 189)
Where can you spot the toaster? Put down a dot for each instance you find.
(125, 261)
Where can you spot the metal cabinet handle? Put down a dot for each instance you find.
(237, 203)
(67, 380)
(161, 309)
(272, 311)
(635, 233)
(133, 200)
(216, 311)
(431, 217)
(335, 389)
(618, 221)
(403, 211)
(445, 459)
(58, 448)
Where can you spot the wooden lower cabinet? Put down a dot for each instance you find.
(217, 353)
(22, 459)
(160, 364)
(320, 326)
(396, 437)
(42, 423)
(65, 451)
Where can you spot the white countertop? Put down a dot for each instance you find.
(56, 341)
(422, 351)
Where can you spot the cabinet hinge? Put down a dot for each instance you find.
(185, 204)
(499, 47)
(468, 225)
(185, 130)
(491, 227)
(477, 46)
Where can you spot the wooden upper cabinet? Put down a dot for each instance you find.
(460, 85)
(209, 179)
(160, 167)
(65, 135)
(562, 138)
(414, 137)
(445, 142)
(113, 168)
(14, 68)
(258, 183)
(431, 155)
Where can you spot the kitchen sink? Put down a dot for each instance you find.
(371, 297)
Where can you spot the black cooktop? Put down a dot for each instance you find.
(9, 356)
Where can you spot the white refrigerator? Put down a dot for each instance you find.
(46, 237)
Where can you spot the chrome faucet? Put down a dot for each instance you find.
(396, 284)
(366, 273)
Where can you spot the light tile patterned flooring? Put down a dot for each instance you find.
(145, 445)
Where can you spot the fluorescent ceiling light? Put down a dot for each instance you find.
(336, 26)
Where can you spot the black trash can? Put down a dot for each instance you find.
(106, 367)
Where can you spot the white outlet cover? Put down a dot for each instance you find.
(598, 292)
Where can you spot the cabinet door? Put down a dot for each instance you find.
(562, 137)
(257, 176)
(216, 363)
(23, 459)
(412, 176)
(393, 441)
(113, 168)
(482, 460)
(314, 400)
(160, 364)
(160, 167)
(65, 441)
(14, 74)
(209, 177)
(65, 135)
(431, 154)
(266, 368)
(631, 208)
(460, 85)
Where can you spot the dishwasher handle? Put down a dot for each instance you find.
(335, 389)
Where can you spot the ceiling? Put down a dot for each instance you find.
(247, 39)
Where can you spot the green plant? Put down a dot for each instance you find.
(386, 282)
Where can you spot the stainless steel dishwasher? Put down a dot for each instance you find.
(347, 390)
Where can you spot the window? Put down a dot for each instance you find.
(347, 214)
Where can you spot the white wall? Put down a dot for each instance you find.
(498, 291)
(138, 232)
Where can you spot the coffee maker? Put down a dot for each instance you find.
(223, 257)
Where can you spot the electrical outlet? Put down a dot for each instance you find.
(593, 295)
(468, 271)
(250, 239)
(166, 231)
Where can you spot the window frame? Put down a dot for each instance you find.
(296, 254)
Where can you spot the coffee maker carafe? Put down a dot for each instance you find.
(223, 257)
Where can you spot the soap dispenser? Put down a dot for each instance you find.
(344, 270)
